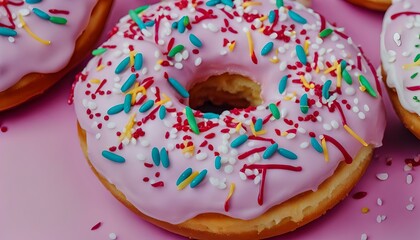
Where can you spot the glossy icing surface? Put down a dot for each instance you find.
(400, 51)
(38, 36)
(121, 136)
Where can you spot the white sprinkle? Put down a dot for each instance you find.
(242, 176)
(409, 178)
(382, 176)
(380, 218)
(201, 156)
(397, 39)
(98, 136)
(24, 12)
(141, 157)
(228, 169)
(361, 115)
(327, 126)
(198, 61)
(212, 27)
(410, 207)
(257, 179)
(334, 124)
(379, 202)
(410, 199)
(223, 149)
(144, 143)
(304, 145)
(366, 108)
(179, 66)
(363, 236)
(350, 91)
(112, 236)
(11, 39)
(355, 109)
(214, 181)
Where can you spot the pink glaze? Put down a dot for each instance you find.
(151, 188)
(400, 35)
(22, 54)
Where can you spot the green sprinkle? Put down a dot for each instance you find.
(228, 3)
(146, 106)
(198, 179)
(195, 40)
(416, 99)
(99, 51)
(326, 89)
(179, 88)
(162, 112)
(417, 45)
(417, 57)
(296, 17)
(211, 115)
(127, 103)
(414, 75)
(141, 9)
(7, 32)
(287, 154)
(347, 77)
(129, 83)
(191, 120)
(115, 109)
(325, 33)
(184, 175)
(122, 66)
(58, 20)
(175, 50)
(164, 158)
(258, 124)
(218, 162)
(239, 141)
(267, 48)
(156, 156)
(274, 110)
(315, 144)
(138, 61)
(113, 157)
(41, 14)
(304, 103)
(134, 16)
(365, 83)
(283, 84)
(279, 3)
(300, 52)
(269, 152)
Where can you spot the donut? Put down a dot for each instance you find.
(41, 40)
(400, 55)
(228, 119)
(379, 5)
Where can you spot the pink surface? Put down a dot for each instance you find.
(48, 191)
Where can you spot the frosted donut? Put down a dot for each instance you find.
(379, 5)
(308, 115)
(400, 41)
(41, 40)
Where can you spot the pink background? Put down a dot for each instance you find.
(47, 190)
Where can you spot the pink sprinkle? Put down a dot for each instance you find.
(96, 226)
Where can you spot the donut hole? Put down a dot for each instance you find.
(225, 92)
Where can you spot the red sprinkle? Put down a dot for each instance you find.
(359, 195)
(96, 226)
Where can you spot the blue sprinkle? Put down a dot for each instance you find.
(283, 84)
(178, 87)
(33, 1)
(113, 157)
(296, 17)
(326, 89)
(211, 115)
(150, 23)
(304, 108)
(146, 106)
(174, 25)
(269, 152)
(195, 41)
(138, 61)
(127, 103)
(287, 154)
(184, 175)
(258, 124)
(122, 66)
(300, 52)
(115, 109)
(136, 19)
(218, 162)
(156, 156)
(271, 16)
(162, 112)
(41, 14)
(212, 3)
(181, 25)
(164, 158)
(315, 144)
(7, 32)
(267, 48)
(129, 83)
(239, 141)
(228, 3)
(198, 179)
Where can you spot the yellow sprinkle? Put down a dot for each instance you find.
(362, 88)
(160, 61)
(232, 46)
(339, 77)
(263, 18)
(261, 132)
(99, 68)
(305, 83)
(274, 60)
(253, 129)
(250, 43)
(164, 100)
(317, 69)
(306, 47)
(247, 4)
(332, 68)
(95, 81)
(33, 35)
(289, 97)
(261, 29)
(128, 127)
(365, 210)
(132, 53)
(238, 127)
(189, 149)
(325, 150)
(231, 189)
(188, 180)
(284, 134)
(411, 65)
(353, 134)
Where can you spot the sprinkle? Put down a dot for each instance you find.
(365, 83)
(315, 144)
(326, 89)
(127, 103)
(218, 162)
(129, 83)
(414, 75)
(184, 175)
(287, 154)
(239, 141)
(138, 61)
(325, 149)
(283, 84)
(211, 115)
(382, 176)
(411, 65)
(247, 4)
(96, 226)
(162, 112)
(115, 109)
(353, 134)
(232, 188)
(296, 17)
(181, 25)
(187, 181)
(136, 19)
(58, 20)
(359, 195)
(112, 236)
(122, 66)
(198, 179)
(33, 1)
(301, 54)
(7, 32)
(325, 33)
(41, 14)
(164, 158)
(258, 124)
(141, 9)
(156, 156)
(272, 16)
(279, 3)
(178, 87)
(269, 152)
(29, 31)
(195, 41)
(251, 46)
(365, 210)
(274, 110)
(113, 157)
(175, 50)
(99, 51)
(267, 48)
(228, 3)
(304, 103)
(191, 120)
(146, 106)
(212, 3)
(339, 76)
(347, 77)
